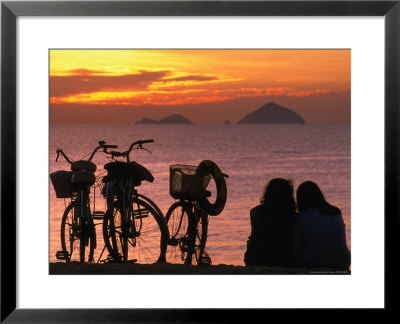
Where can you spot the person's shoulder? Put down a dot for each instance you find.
(257, 212)
(308, 214)
(335, 211)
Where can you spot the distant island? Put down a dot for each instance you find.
(173, 119)
(272, 113)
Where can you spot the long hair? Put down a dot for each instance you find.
(278, 196)
(309, 195)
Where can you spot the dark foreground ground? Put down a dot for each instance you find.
(62, 268)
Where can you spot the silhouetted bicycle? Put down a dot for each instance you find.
(134, 228)
(78, 235)
(188, 217)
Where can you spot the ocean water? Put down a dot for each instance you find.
(250, 154)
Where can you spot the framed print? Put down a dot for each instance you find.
(179, 98)
(338, 64)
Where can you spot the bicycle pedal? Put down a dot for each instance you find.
(60, 255)
(98, 214)
(173, 242)
(109, 259)
(205, 259)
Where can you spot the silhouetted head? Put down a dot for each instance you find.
(278, 194)
(310, 196)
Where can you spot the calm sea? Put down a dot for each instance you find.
(250, 154)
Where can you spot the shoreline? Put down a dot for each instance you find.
(76, 268)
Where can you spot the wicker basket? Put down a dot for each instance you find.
(185, 184)
(61, 181)
(100, 184)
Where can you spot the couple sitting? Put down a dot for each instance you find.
(312, 238)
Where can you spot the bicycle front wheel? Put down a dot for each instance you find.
(71, 235)
(177, 218)
(141, 238)
(198, 228)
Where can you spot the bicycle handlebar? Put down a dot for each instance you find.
(105, 147)
(102, 145)
(60, 151)
(126, 153)
(139, 143)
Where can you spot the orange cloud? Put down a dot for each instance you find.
(84, 82)
(171, 97)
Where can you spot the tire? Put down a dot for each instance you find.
(145, 243)
(198, 228)
(71, 235)
(208, 167)
(111, 224)
(177, 219)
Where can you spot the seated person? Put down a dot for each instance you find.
(319, 234)
(271, 239)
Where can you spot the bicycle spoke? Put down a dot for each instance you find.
(144, 248)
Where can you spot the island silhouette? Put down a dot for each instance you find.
(173, 119)
(272, 113)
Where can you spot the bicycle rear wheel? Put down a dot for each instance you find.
(71, 235)
(144, 238)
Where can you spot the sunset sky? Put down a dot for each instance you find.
(206, 86)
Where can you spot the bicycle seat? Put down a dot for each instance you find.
(141, 172)
(118, 168)
(83, 165)
(83, 178)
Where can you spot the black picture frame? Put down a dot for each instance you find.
(11, 10)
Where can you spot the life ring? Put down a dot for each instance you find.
(207, 167)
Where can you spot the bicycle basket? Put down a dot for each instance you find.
(61, 181)
(185, 184)
(99, 183)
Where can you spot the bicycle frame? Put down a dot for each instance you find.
(199, 215)
(127, 210)
(193, 204)
(125, 194)
(86, 224)
(130, 180)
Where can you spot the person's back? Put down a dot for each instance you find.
(271, 239)
(320, 240)
(319, 232)
(270, 242)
